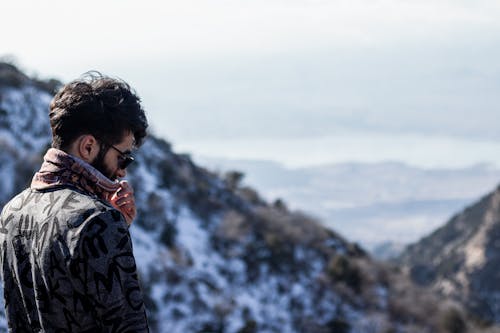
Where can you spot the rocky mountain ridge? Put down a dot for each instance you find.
(214, 256)
(462, 259)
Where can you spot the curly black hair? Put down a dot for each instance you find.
(104, 107)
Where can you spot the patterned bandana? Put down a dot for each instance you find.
(60, 168)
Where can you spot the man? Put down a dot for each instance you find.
(65, 250)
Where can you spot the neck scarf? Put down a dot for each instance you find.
(60, 168)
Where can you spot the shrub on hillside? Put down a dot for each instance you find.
(232, 179)
(452, 320)
(233, 228)
(342, 269)
(290, 227)
(10, 76)
(250, 195)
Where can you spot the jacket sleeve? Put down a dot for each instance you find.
(106, 268)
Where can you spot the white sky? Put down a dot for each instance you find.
(415, 81)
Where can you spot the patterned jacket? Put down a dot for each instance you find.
(67, 265)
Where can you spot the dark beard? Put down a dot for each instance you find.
(99, 164)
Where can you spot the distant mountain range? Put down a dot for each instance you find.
(371, 203)
(215, 256)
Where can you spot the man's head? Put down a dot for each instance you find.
(98, 119)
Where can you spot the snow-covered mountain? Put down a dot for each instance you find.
(214, 256)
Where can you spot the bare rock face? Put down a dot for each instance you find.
(462, 259)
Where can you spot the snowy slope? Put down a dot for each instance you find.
(199, 278)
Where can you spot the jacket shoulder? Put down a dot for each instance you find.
(62, 203)
(80, 208)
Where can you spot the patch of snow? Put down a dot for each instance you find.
(195, 240)
(27, 118)
(382, 296)
(7, 183)
(147, 250)
(149, 181)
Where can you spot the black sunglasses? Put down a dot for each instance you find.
(125, 159)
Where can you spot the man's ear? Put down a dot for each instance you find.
(87, 147)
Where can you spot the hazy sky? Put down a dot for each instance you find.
(299, 82)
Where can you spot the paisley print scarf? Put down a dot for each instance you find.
(60, 168)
